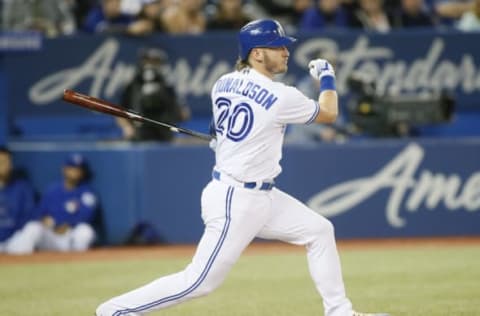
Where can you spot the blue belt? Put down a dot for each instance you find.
(267, 186)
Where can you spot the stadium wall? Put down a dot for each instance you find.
(3, 110)
(381, 188)
(422, 62)
(368, 189)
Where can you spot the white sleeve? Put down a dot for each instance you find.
(296, 108)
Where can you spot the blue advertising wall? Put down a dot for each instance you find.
(3, 110)
(403, 62)
(368, 189)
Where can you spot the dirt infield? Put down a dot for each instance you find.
(180, 251)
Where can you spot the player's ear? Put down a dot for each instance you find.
(256, 54)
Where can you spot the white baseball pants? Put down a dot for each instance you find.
(233, 217)
(79, 238)
(24, 241)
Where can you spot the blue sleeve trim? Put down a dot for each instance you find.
(327, 83)
(315, 113)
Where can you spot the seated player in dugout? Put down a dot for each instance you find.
(67, 209)
(150, 94)
(17, 203)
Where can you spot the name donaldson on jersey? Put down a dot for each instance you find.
(250, 90)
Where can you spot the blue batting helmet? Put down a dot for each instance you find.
(262, 33)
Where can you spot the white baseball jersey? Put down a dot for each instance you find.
(250, 115)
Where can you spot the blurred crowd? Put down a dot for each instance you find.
(143, 17)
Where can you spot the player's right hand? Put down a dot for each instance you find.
(320, 68)
(48, 221)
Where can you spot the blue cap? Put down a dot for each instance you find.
(262, 33)
(75, 160)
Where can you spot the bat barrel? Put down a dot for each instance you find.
(95, 104)
(103, 106)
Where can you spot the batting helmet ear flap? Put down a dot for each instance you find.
(262, 33)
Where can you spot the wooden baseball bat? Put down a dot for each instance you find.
(103, 106)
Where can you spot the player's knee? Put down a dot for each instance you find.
(25, 240)
(33, 229)
(83, 236)
(329, 229)
(322, 228)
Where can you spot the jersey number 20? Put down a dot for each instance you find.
(235, 122)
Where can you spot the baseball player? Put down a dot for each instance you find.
(250, 113)
(18, 232)
(67, 208)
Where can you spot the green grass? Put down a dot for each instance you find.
(429, 281)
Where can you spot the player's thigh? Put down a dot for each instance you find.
(292, 221)
(53, 241)
(26, 239)
(220, 200)
(233, 215)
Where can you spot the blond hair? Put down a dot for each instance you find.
(241, 64)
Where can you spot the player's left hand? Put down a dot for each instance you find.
(320, 68)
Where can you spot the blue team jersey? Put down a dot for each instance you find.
(69, 207)
(17, 202)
